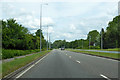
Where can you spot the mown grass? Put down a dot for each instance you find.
(111, 55)
(114, 49)
(11, 66)
(7, 53)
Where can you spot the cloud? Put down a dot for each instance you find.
(76, 17)
(72, 27)
(47, 21)
(67, 35)
(60, 0)
(50, 29)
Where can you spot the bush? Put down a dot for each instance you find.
(94, 47)
(6, 53)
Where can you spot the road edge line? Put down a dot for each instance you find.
(104, 77)
(32, 66)
(12, 74)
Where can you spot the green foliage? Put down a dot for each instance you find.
(79, 44)
(110, 37)
(94, 47)
(110, 55)
(112, 34)
(59, 44)
(11, 66)
(93, 35)
(12, 53)
(15, 36)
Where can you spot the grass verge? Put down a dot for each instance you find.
(115, 49)
(110, 55)
(11, 66)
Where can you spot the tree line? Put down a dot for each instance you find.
(16, 36)
(110, 38)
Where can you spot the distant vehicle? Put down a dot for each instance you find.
(62, 48)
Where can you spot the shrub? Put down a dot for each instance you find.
(94, 47)
(6, 53)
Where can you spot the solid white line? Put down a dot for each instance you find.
(104, 77)
(30, 67)
(41, 59)
(25, 71)
(77, 61)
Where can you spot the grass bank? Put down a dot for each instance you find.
(11, 66)
(110, 55)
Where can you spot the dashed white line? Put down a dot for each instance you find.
(104, 77)
(77, 61)
(30, 67)
(98, 57)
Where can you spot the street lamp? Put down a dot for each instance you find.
(41, 25)
(49, 41)
(101, 39)
(47, 37)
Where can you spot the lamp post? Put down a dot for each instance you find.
(47, 37)
(49, 41)
(101, 39)
(41, 26)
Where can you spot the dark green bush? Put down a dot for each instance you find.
(6, 53)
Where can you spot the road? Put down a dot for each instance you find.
(101, 51)
(66, 64)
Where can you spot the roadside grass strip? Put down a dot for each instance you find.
(8, 67)
(114, 49)
(110, 55)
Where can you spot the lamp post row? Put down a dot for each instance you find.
(41, 25)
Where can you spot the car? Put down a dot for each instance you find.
(62, 48)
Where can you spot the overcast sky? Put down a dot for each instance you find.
(66, 19)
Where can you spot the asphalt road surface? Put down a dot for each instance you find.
(66, 64)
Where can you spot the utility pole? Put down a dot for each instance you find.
(40, 27)
(47, 37)
(101, 40)
(49, 42)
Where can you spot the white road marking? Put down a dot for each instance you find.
(25, 71)
(31, 67)
(98, 57)
(69, 56)
(77, 61)
(104, 77)
(40, 59)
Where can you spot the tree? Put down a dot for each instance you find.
(93, 36)
(112, 34)
(15, 36)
